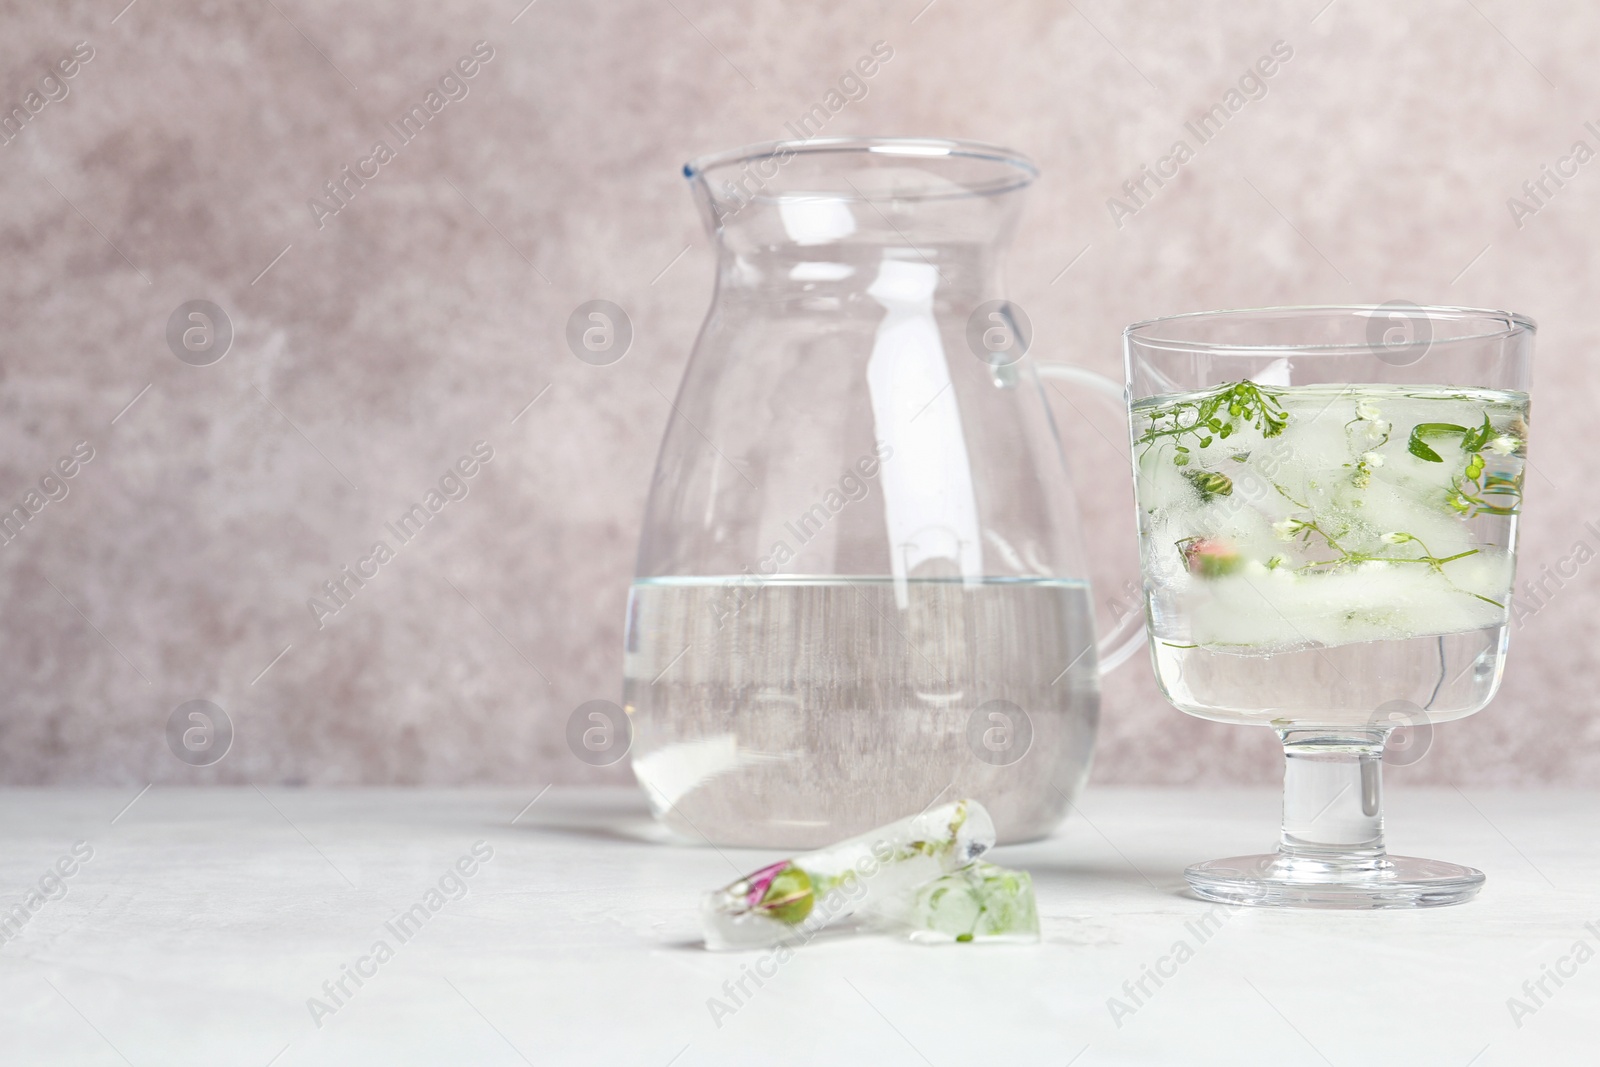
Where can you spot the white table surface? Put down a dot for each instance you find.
(205, 920)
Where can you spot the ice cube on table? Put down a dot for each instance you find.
(789, 901)
(980, 903)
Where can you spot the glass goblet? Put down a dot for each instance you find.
(1328, 502)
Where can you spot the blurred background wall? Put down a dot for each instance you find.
(375, 340)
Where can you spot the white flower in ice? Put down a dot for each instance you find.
(1372, 459)
(1286, 528)
(1396, 538)
(1503, 445)
(1366, 409)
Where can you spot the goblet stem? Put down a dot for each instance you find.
(1331, 854)
(1333, 797)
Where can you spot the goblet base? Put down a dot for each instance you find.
(1279, 880)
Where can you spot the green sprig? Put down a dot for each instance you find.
(1216, 417)
(1471, 488)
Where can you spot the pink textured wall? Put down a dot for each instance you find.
(373, 346)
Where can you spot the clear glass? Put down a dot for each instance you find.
(860, 586)
(1328, 502)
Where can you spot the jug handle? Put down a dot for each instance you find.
(1128, 635)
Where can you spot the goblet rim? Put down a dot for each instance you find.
(1511, 324)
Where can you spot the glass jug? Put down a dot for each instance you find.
(860, 587)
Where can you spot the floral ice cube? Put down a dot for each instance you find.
(794, 898)
(982, 902)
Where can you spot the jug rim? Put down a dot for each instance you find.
(1017, 170)
(1145, 332)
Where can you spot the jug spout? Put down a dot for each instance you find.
(831, 209)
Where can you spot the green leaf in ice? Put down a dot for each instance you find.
(1416, 447)
(1475, 440)
(1475, 482)
(1419, 448)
